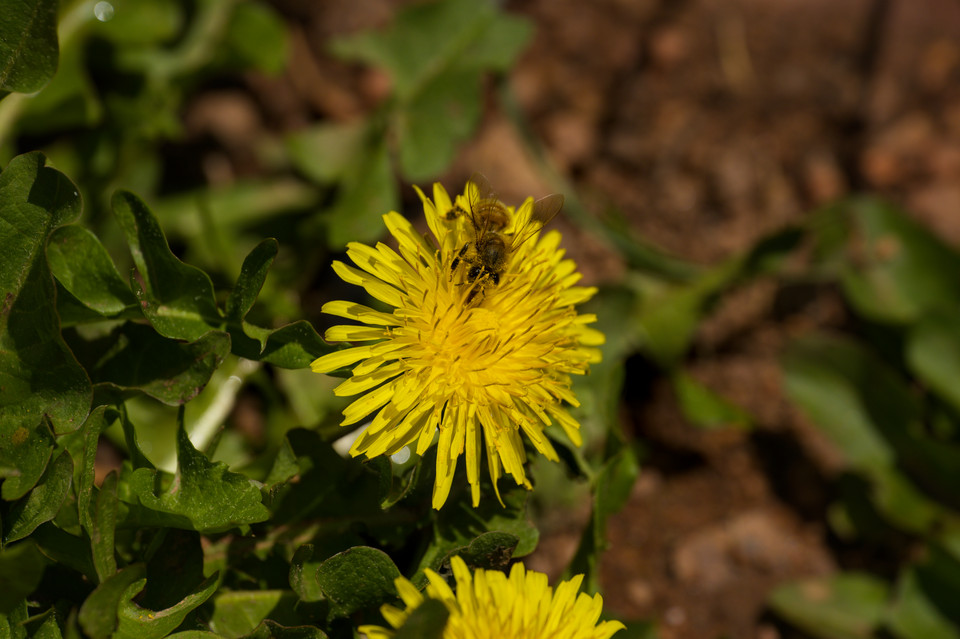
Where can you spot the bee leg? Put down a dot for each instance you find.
(456, 260)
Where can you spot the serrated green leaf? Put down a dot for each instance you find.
(24, 453)
(134, 357)
(135, 622)
(38, 374)
(21, 569)
(843, 606)
(42, 503)
(238, 613)
(357, 579)
(174, 569)
(98, 615)
(176, 298)
(28, 44)
(205, 497)
(427, 621)
(434, 122)
(82, 265)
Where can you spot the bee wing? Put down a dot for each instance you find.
(544, 210)
(475, 196)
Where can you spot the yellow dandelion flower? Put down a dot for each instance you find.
(475, 356)
(490, 604)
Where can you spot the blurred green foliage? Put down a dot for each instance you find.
(144, 325)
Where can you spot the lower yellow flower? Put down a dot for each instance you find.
(490, 605)
(476, 353)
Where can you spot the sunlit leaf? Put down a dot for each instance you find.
(38, 374)
(205, 496)
(176, 298)
(82, 265)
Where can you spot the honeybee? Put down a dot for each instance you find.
(488, 252)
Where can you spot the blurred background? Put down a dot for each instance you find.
(767, 194)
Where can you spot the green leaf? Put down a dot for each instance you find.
(98, 615)
(205, 497)
(136, 622)
(704, 408)
(325, 152)
(257, 37)
(271, 630)
(357, 579)
(933, 352)
(303, 571)
(427, 38)
(612, 487)
(458, 526)
(368, 193)
(24, 453)
(291, 346)
(98, 507)
(38, 374)
(21, 569)
(134, 357)
(176, 298)
(82, 265)
(895, 269)
(253, 274)
(490, 551)
(28, 44)
(69, 551)
(42, 503)
(427, 621)
(832, 380)
(433, 124)
(11, 624)
(102, 538)
(239, 613)
(140, 22)
(925, 603)
(843, 606)
(44, 626)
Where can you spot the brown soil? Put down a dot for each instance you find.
(707, 124)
